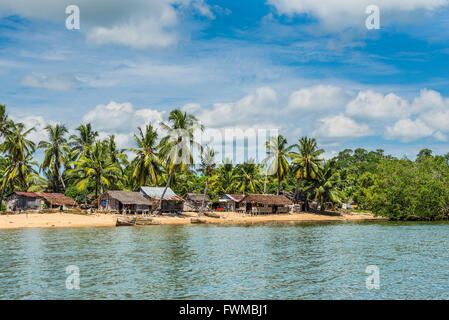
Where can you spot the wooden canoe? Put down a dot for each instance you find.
(125, 222)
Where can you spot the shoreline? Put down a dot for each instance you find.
(71, 220)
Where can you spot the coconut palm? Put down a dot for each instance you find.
(85, 138)
(96, 167)
(224, 178)
(206, 168)
(326, 186)
(248, 177)
(116, 155)
(175, 147)
(146, 164)
(305, 163)
(18, 150)
(277, 151)
(5, 123)
(54, 150)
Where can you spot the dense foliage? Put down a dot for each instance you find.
(83, 166)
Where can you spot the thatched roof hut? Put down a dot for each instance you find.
(18, 201)
(194, 201)
(170, 203)
(58, 199)
(270, 199)
(123, 201)
(266, 203)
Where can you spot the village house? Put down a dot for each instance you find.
(170, 203)
(266, 204)
(126, 202)
(194, 202)
(23, 201)
(231, 202)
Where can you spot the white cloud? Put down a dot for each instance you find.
(204, 9)
(341, 127)
(121, 119)
(437, 119)
(319, 97)
(440, 136)
(259, 108)
(429, 100)
(36, 122)
(151, 32)
(343, 13)
(407, 130)
(59, 83)
(134, 23)
(369, 105)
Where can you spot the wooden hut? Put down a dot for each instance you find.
(266, 204)
(194, 201)
(170, 203)
(23, 201)
(126, 202)
(231, 202)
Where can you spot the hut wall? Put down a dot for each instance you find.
(15, 203)
(171, 206)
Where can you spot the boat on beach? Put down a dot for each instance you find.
(125, 222)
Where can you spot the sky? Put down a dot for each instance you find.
(304, 67)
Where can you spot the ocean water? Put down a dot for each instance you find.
(271, 261)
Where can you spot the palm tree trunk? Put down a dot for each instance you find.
(265, 183)
(165, 190)
(205, 194)
(279, 182)
(59, 173)
(96, 187)
(62, 181)
(298, 186)
(4, 186)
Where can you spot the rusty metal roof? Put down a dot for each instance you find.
(54, 198)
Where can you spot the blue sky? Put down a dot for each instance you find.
(305, 67)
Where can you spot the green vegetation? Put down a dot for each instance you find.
(83, 166)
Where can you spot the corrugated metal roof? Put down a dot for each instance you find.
(233, 197)
(156, 193)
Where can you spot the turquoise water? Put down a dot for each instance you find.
(314, 261)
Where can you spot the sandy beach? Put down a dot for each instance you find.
(68, 220)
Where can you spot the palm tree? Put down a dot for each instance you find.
(5, 123)
(116, 155)
(86, 138)
(248, 177)
(18, 150)
(146, 163)
(277, 150)
(305, 162)
(327, 185)
(206, 167)
(175, 148)
(54, 150)
(95, 166)
(224, 178)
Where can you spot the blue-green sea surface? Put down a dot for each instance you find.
(285, 261)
